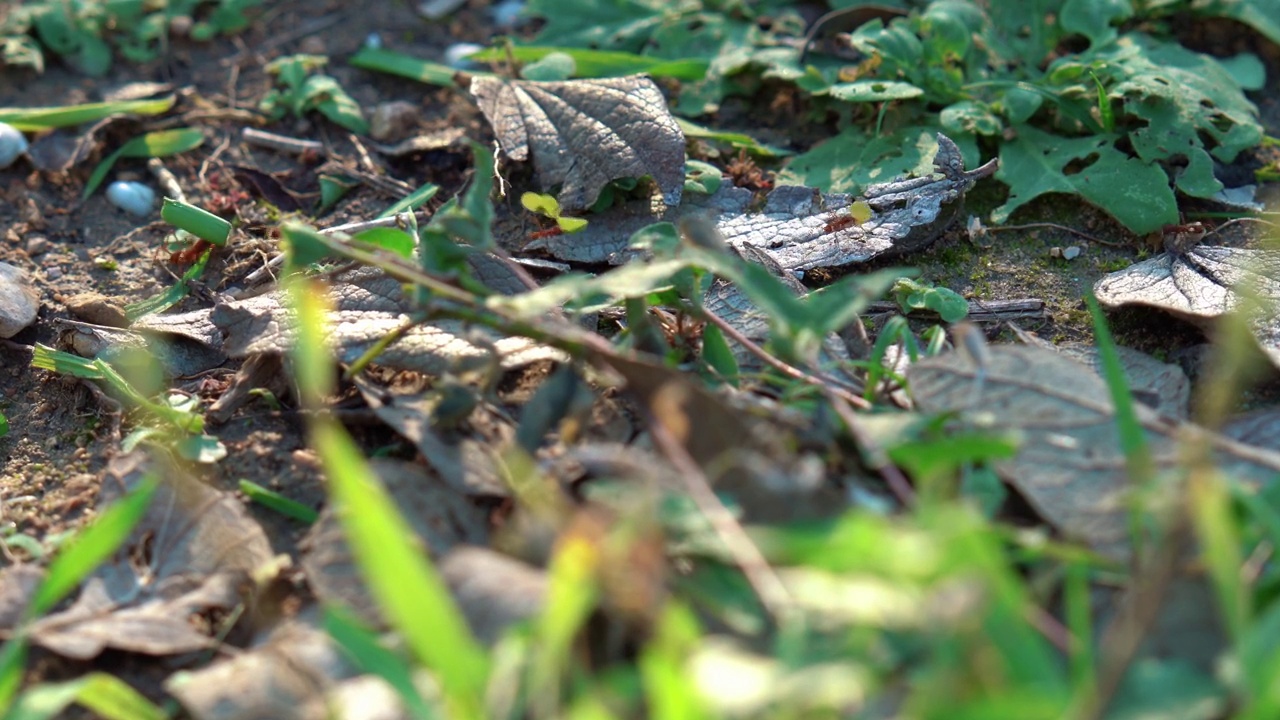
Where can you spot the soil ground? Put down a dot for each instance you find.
(62, 436)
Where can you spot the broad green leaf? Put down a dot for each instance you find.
(717, 353)
(970, 118)
(874, 91)
(31, 119)
(552, 67)
(852, 160)
(1095, 19)
(161, 143)
(624, 25)
(393, 239)
(1134, 192)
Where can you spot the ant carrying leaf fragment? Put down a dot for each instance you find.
(547, 206)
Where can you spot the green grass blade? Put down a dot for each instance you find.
(32, 119)
(412, 201)
(604, 63)
(363, 648)
(1133, 439)
(394, 63)
(405, 585)
(197, 221)
(153, 144)
(90, 547)
(106, 695)
(13, 659)
(172, 295)
(278, 502)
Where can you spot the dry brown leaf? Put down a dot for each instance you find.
(1201, 284)
(440, 516)
(583, 134)
(1069, 465)
(192, 552)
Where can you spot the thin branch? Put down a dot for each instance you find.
(819, 381)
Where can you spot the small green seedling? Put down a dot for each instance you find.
(299, 92)
(912, 295)
(547, 206)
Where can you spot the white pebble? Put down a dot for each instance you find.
(12, 144)
(505, 14)
(19, 301)
(132, 197)
(455, 56)
(373, 41)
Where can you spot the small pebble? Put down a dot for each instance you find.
(53, 273)
(1071, 253)
(37, 245)
(393, 120)
(132, 197)
(507, 13)
(19, 301)
(313, 45)
(373, 41)
(98, 309)
(455, 56)
(12, 144)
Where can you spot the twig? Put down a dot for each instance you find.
(768, 586)
(280, 143)
(167, 180)
(980, 310)
(397, 220)
(820, 381)
(876, 456)
(1055, 226)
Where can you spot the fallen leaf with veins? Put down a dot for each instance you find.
(493, 591)
(469, 463)
(583, 134)
(367, 305)
(1201, 284)
(1069, 466)
(800, 227)
(440, 516)
(275, 678)
(1161, 386)
(198, 548)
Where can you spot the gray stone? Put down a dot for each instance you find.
(19, 301)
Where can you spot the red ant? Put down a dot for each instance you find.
(549, 232)
(191, 254)
(840, 223)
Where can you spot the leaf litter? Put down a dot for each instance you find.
(1204, 282)
(800, 227)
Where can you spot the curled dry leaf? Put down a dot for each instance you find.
(192, 552)
(470, 463)
(582, 134)
(1201, 284)
(275, 678)
(493, 591)
(440, 516)
(367, 305)
(800, 227)
(1069, 466)
(730, 303)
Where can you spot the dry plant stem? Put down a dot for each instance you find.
(280, 143)
(399, 220)
(1055, 226)
(168, 181)
(892, 476)
(1137, 613)
(819, 381)
(766, 583)
(980, 310)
